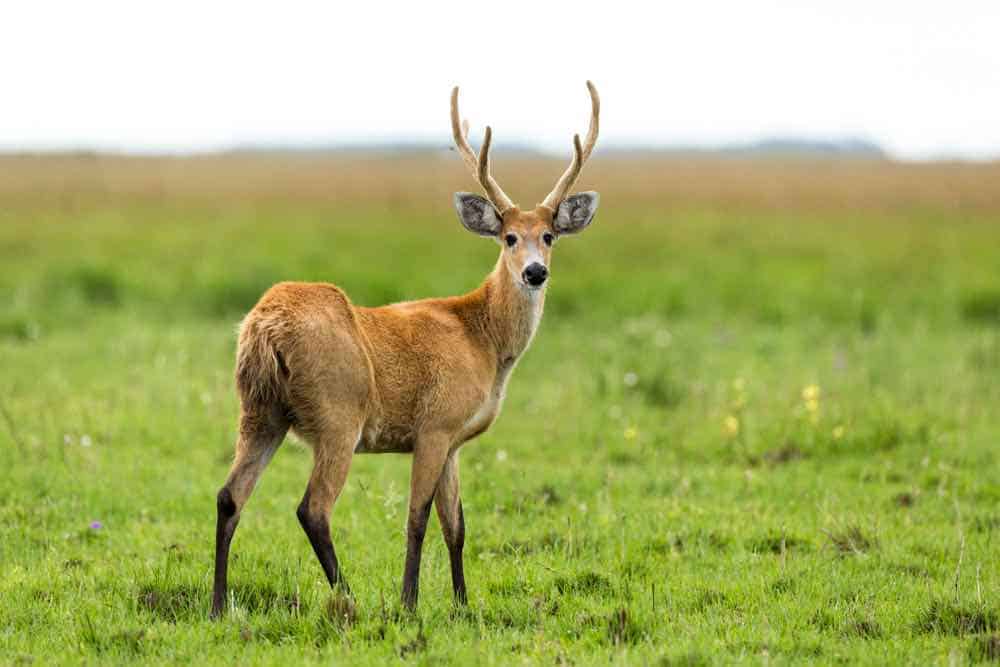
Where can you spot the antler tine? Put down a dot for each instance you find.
(480, 166)
(493, 191)
(595, 120)
(580, 154)
(457, 127)
(568, 178)
(483, 167)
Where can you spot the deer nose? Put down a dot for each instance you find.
(535, 274)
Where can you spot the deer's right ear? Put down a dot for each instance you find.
(477, 214)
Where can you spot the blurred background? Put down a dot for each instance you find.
(774, 354)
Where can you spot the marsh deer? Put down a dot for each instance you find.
(420, 377)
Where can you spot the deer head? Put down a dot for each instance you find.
(527, 236)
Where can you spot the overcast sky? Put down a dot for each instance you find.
(920, 77)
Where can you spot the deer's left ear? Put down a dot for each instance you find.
(477, 214)
(576, 212)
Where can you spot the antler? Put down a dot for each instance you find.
(480, 167)
(580, 154)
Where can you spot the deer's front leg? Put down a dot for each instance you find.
(449, 510)
(429, 457)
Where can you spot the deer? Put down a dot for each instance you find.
(418, 377)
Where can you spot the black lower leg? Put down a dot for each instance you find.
(225, 527)
(317, 529)
(415, 530)
(455, 546)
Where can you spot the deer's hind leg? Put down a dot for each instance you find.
(261, 432)
(448, 503)
(429, 457)
(333, 449)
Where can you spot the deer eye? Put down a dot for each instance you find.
(510, 240)
(547, 238)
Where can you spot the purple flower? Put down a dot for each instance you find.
(96, 525)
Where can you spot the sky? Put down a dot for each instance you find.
(920, 77)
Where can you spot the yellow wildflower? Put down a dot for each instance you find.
(732, 425)
(631, 433)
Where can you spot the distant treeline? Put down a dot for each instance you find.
(853, 147)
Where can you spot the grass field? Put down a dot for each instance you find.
(759, 422)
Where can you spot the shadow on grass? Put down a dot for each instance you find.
(94, 285)
(709, 599)
(981, 307)
(863, 628)
(776, 543)
(684, 660)
(549, 542)
(985, 648)
(942, 617)
(851, 540)
(131, 643)
(175, 603)
(587, 583)
(622, 628)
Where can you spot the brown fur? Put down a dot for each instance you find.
(421, 376)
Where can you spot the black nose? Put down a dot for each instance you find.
(535, 274)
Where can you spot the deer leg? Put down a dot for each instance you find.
(448, 503)
(332, 463)
(259, 440)
(429, 458)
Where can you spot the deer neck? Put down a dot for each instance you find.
(511, 313)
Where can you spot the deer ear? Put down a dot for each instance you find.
(576, 212)
(477, 214)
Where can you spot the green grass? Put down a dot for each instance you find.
(758, 436)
